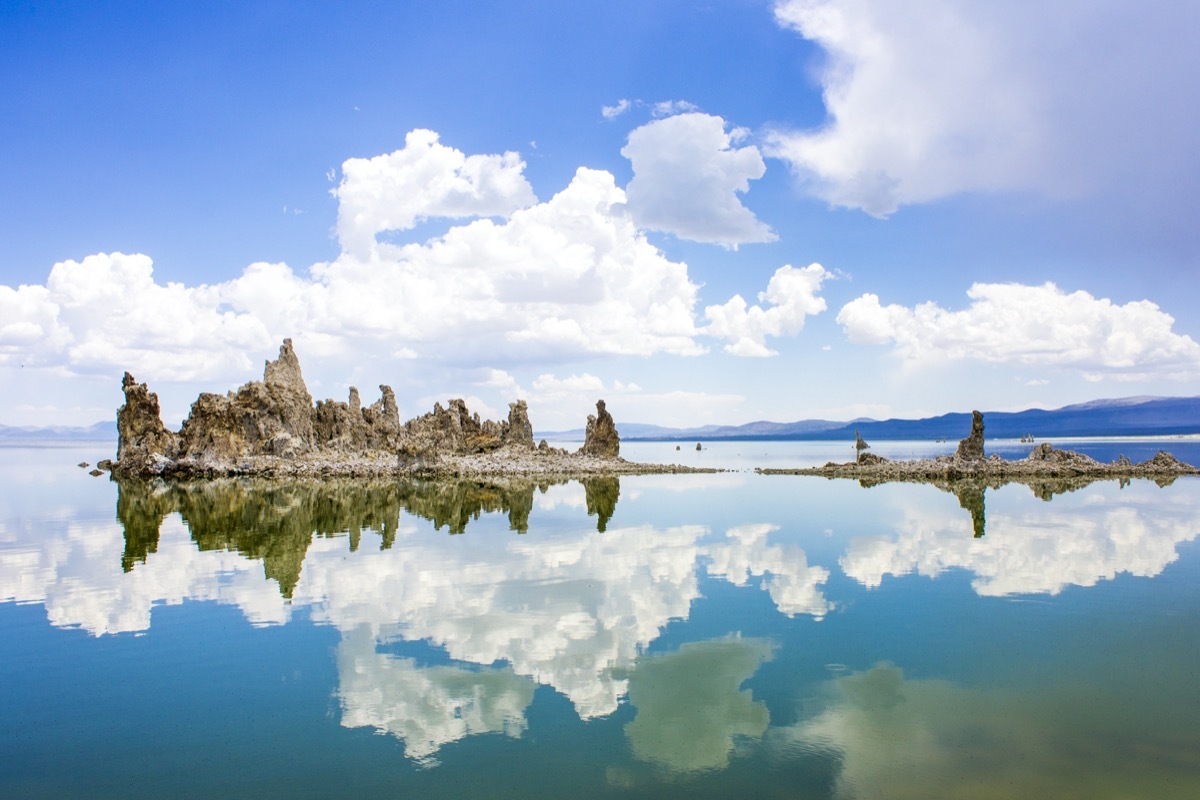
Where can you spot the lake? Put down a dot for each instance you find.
(707, 635)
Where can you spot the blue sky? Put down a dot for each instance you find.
(701, 212)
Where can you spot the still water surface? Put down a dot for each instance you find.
(678, 635)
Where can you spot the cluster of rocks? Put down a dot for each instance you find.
(970, 462)
(272, 427)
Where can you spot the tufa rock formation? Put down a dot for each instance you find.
(971, 448)
(601, 439)
(268, 422)
(143, 443)
(859, 446)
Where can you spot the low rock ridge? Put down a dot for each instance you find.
(970, 462)
(272, 427)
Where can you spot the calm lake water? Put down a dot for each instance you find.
(725, 635)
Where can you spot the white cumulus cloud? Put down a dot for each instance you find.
(686, 179)
(421, 180)
(790, 297)
(928, 100)
(1038, 325)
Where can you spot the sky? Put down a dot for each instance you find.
(701, 212)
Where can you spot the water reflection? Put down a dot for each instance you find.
(426, 706)
(971, 491)
(447, 636)
(275, 522)
(573, 612)
(1078, 540)
(692, 706)
(896, 737)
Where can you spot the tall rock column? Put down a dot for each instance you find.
(519, 432)
(293, 403)
(142, 439)
(971, 448)
(601, 437)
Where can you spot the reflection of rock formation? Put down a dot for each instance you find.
(273, 522)
(454, 503)
(691, 704)
(276, 521)
(970, 497)
(896, 737)
(140, 509)
(971, 491)
(1073, 541)
(572, 610)
(602, 494)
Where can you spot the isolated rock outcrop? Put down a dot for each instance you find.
(143, 442)
(601, 439)
(263, 422)
(971, 448)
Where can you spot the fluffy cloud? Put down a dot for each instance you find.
(686, 178)
(107, 313)
(1080, 540)
(948, 97)
(1039, 325)
(421, 180)
(791, 296)
(566, 278)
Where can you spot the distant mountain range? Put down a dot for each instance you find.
(1130, 416)
(100, 432)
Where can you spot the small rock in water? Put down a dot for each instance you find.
(96, 473)
(83, 465)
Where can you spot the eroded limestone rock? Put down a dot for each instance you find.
(142, 439)
(269, 423)
(520, 430)
(600, 438)
(971, 448)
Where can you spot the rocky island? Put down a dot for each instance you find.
(970, 462)
(272, 428)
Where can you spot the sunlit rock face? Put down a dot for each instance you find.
(600, 436)
(268, 417)
(142, 439)
(276, 417)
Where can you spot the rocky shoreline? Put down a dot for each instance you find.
(272, 428)
(970, 463)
